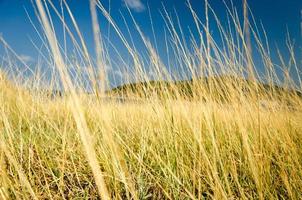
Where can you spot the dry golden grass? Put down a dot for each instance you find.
(241, 141)
(173, 150)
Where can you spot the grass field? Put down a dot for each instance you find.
(235, 141)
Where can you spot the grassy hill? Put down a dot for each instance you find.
(221, 88)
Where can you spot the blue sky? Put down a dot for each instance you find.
(277, 16)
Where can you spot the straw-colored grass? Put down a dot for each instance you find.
(225, 139)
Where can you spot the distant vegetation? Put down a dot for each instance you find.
(219, 87)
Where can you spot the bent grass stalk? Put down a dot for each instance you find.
(76, 105)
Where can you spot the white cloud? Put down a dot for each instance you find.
(135, 5)
(118, 73)
(26, 58)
